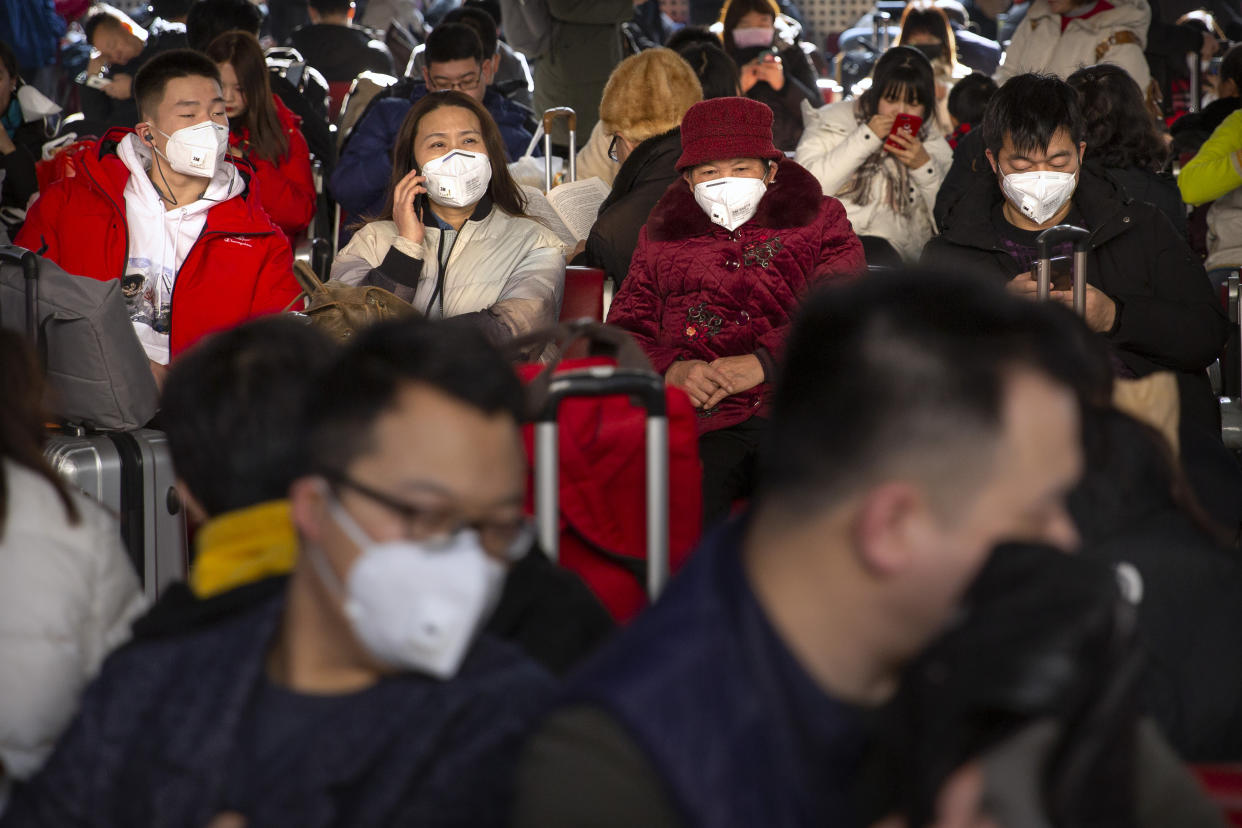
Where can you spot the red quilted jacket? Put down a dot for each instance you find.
(697, 291)
(240, 267)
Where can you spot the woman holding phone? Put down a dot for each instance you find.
(265, 133)
(883, 156)
(454, 238)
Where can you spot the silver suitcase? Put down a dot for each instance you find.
(131, 474)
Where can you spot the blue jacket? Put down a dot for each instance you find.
(360, 181)
(157, 730)
(738, 731)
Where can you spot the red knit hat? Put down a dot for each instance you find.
(721, 128)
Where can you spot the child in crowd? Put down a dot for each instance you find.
(967, 101)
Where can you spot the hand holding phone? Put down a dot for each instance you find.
(409, 206)
(907, 124)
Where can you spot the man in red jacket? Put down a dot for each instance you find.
(720, 267)
(160, 208)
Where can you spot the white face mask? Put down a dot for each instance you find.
(730, 202)
(196, 150)
(757, 36)
(458, 179)
(412, 606)
(1038, 195)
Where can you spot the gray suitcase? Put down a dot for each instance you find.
(129, 472)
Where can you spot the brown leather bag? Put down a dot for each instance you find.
(342, 310)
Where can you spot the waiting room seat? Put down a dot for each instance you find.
(337, 90)
(583, 298)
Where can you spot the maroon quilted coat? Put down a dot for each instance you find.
(697, 291)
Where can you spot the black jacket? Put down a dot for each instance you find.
(341, 53)
(113, 112)
(1191, 585)
(20, 181)
(640, 182)
(1168, 317)
(785, 103)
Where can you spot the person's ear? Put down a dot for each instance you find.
(493, 66)
(426, 76)
(689, 183)
(307, 507)
(1082, 152)
(991, 160)
(884, 530)
(770, 176)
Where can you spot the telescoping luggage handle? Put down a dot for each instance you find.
(603, 381)
(30, 271)
(549, 118)
(1044, 245)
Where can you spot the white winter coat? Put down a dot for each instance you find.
(510, 266)
(1039, 45)
(834, 145)
(67, 597)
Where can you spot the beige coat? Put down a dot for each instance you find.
(511, 267)
(834, 145)
(1039, 45)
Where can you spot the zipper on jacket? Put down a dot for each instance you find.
(124, 219)
(177, 275)
(442, 276)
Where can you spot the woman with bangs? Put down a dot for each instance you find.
(454, 238)
(887, 180)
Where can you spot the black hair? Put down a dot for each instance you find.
(451, 356)
(234, 406)
(482, 23)
(100, 16)
(330, 6)
(155, 74)
(454, 41)
(913, 364)
(717, 72)
(1121, 131)
(969, 98)
(1030, 109)
(208, 19)
(1231, 66)
(688, 36)
(171, 9)
(901, 73)
(492, 7)
(922, 17)
(9, 60)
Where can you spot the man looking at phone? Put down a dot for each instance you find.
(123, 48)
(1147, 292)
(161, 208)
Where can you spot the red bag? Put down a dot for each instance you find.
(602, 502)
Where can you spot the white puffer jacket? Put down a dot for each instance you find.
(1039, 45)
(834, 145)
(67, 597)
(509, 266)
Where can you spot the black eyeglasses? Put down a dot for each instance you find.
(509, 539)
(612, 148)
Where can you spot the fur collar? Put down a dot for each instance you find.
(792, 200)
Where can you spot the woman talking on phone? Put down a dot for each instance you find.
(454, 238)
(774, 70)
(883, 156)
(265, 133)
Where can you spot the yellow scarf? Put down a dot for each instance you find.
(243, 546)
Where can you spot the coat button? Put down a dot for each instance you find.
(732, 264)
(1125, 220)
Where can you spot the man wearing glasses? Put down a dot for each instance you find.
(456, 59)
(363, 693)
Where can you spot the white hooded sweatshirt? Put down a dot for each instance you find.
(159, 242)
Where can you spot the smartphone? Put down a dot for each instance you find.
(420, 200)
(1062, 273)
(94, 81)
(909, 124)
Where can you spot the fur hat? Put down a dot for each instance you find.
(648, 93)
(726, 128)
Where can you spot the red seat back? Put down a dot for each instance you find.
(337, 90)
(584, 297)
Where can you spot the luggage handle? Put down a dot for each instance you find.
(1044, 244)
(30, 271)
(549, 118)
(599, 381)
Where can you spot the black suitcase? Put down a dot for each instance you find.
(129, 472)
